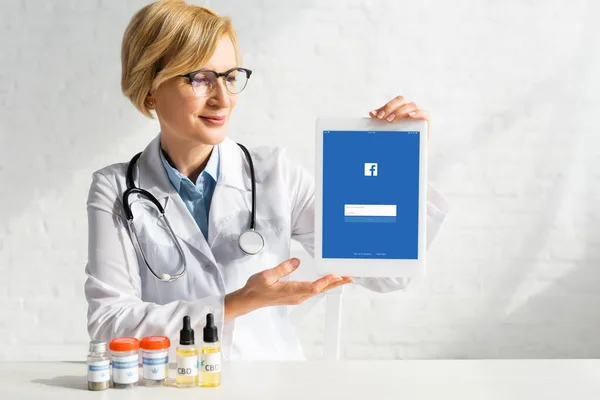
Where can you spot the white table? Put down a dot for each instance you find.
(362, 380)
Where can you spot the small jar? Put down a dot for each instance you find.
(98, 362)
(155, 360)
(125, 362)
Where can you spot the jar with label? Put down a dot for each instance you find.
(98, 363)
(155, 360)
(125, 362)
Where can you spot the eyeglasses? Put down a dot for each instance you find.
(204, 81)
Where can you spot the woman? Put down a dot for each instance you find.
(202, 179)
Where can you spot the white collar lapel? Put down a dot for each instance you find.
(235, 171)
(233, 190)
(152, 177)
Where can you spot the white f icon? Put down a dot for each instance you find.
(370, 169)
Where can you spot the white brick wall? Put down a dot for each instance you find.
(513, 90)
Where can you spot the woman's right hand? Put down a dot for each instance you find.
(266, 288)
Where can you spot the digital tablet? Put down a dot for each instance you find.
(370, 197)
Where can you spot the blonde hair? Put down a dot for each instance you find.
(187, 33)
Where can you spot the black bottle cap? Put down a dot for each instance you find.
(186, 334)
(210, 330)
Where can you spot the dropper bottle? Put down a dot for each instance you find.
(187, 357)
(211, 355)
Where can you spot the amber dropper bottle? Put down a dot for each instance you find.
(211, 355)
(187, 357)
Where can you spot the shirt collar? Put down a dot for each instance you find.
(212, 168)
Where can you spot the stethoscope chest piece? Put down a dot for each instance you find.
(251, 242)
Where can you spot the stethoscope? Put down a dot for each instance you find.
(250, 242)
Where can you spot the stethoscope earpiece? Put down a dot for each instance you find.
(165, 277)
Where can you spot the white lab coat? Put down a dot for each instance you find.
(125, 299)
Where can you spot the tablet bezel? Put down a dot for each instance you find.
(369, 267)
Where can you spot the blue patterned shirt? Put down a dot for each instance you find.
(197, 197)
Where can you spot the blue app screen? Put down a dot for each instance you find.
(370, 194)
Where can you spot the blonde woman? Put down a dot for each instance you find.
(147, 270)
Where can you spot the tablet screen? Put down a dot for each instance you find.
(370, 194)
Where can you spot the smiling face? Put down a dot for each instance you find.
(186, 116)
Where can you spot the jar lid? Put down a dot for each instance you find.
(97, 346)
(155, 343)
(124, 344)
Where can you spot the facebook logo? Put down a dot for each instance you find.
(370, 169)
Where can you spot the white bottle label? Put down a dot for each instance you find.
(187, 366)
(211, 362)
(125, 369)
(155, 365)
(98, 371)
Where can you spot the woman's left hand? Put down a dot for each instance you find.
(399, 108)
